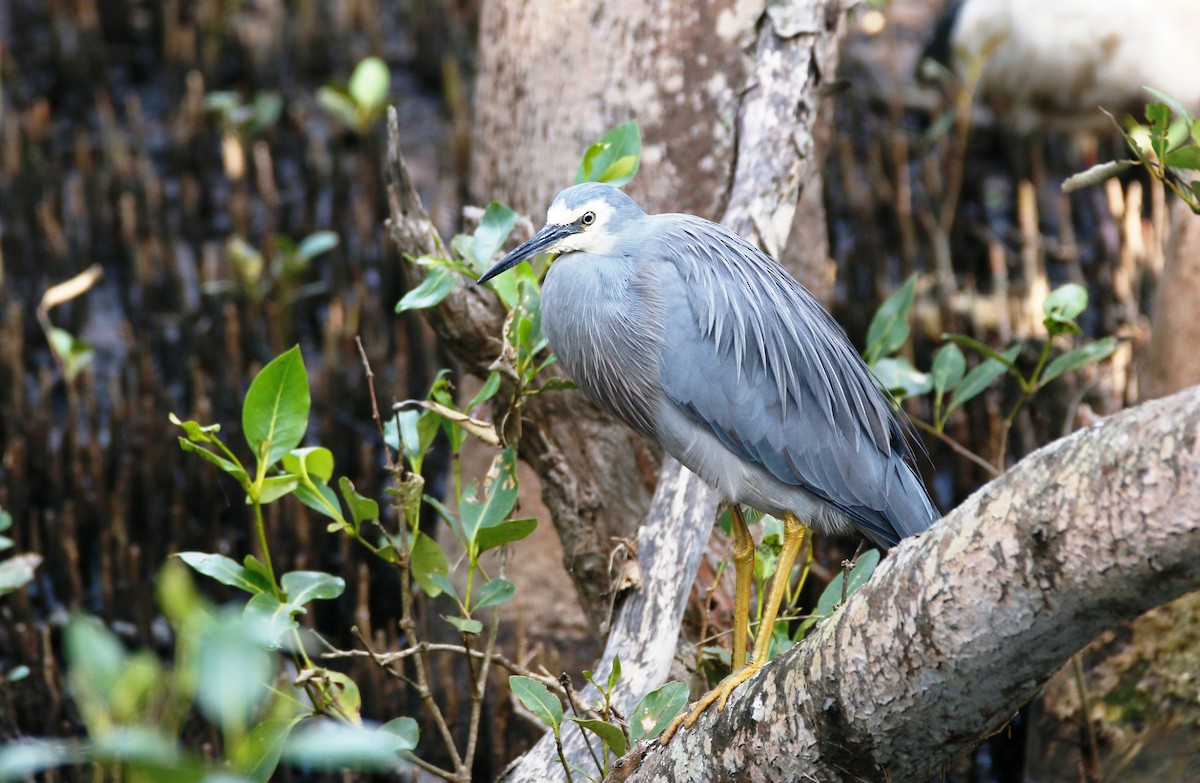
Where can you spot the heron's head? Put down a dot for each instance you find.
(586, 218)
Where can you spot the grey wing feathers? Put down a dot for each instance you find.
(792, 394)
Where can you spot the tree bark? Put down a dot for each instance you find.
(1172, 361)
(959, 628)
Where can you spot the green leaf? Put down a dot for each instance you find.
(304, 586)
(275, 487)
(338, 103)
(315, 244)
(258, 754)
(216, 459)
(24, 758)
(1184, 158)
(138, 745)
(327, 744)
(369, 84)
(537, 699)
(949, 367)
(329, 508)
(362, 509)
(275, 413)
(614, 158)
(270, 617)
(980, 378)
(504, 532)
(75, 353)
(195, 430)
(316, 461)
(465, 624)
(898, 376)
(487, 391)
(428, 559)
(233, 672)
(95, 657)
(614, 673)
(499, 500)
(831, 596)
(443, 583)
(405, 730)
(1065, 303)
(227, 571)
(493, 593)
(612, 735)
(986, 350)
(1175, 105)
(18, 571)
(436, 286)
(5, 520)
(495, 226)
(1079, 357)
(344, 693)
(656, 710)
(889, 328)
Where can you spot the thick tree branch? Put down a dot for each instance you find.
(959, 628)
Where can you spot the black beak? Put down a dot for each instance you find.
(548, 237)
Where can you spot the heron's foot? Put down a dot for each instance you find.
(719, 694)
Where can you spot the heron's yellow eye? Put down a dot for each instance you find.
(587, 219)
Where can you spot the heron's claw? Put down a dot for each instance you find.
(719, 694)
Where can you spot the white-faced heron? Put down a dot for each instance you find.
(693, 337)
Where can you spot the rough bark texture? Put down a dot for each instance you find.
(959, 628)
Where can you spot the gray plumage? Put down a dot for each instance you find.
(687, 333)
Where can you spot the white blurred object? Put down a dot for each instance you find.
(1050, 64)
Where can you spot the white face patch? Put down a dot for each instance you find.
(595, 238)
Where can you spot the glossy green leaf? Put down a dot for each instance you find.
(614, 158)
(196, 431)
(1184, 158)
(369, 83)
(437, 285)
(343, 693)
(486, 392)
(327, 744)
(612, 735)
(504, 532)
(233, 672)
(898, 376)
(537, 698)
(275, 413)
(495, 226)
(275, 487)
(304, 586)
(656, 710)
(226, 571)
(443, 583)
(979, 379)
(500, 497)
(95, 657)
(1079, 357)
(18, 571)
(25, 758)
(406, 730)
(216, 459)
(614, 673)
(1065, 303)
(339, 104)
(465, 624)
(889, 328)
(315, 244)
(428, 559)
(322, 500)
(362, 509)
(1171, 102)
(269, 617)
(316, 461)
(949, 367)
(493, 593)
(258, 754)
(831, 596)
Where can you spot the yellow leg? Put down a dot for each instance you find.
(743, 568)
(793, 540)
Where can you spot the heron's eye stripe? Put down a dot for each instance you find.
(587, 219)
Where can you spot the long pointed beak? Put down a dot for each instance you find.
(544, 240)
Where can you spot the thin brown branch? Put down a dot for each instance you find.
(958, 448)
